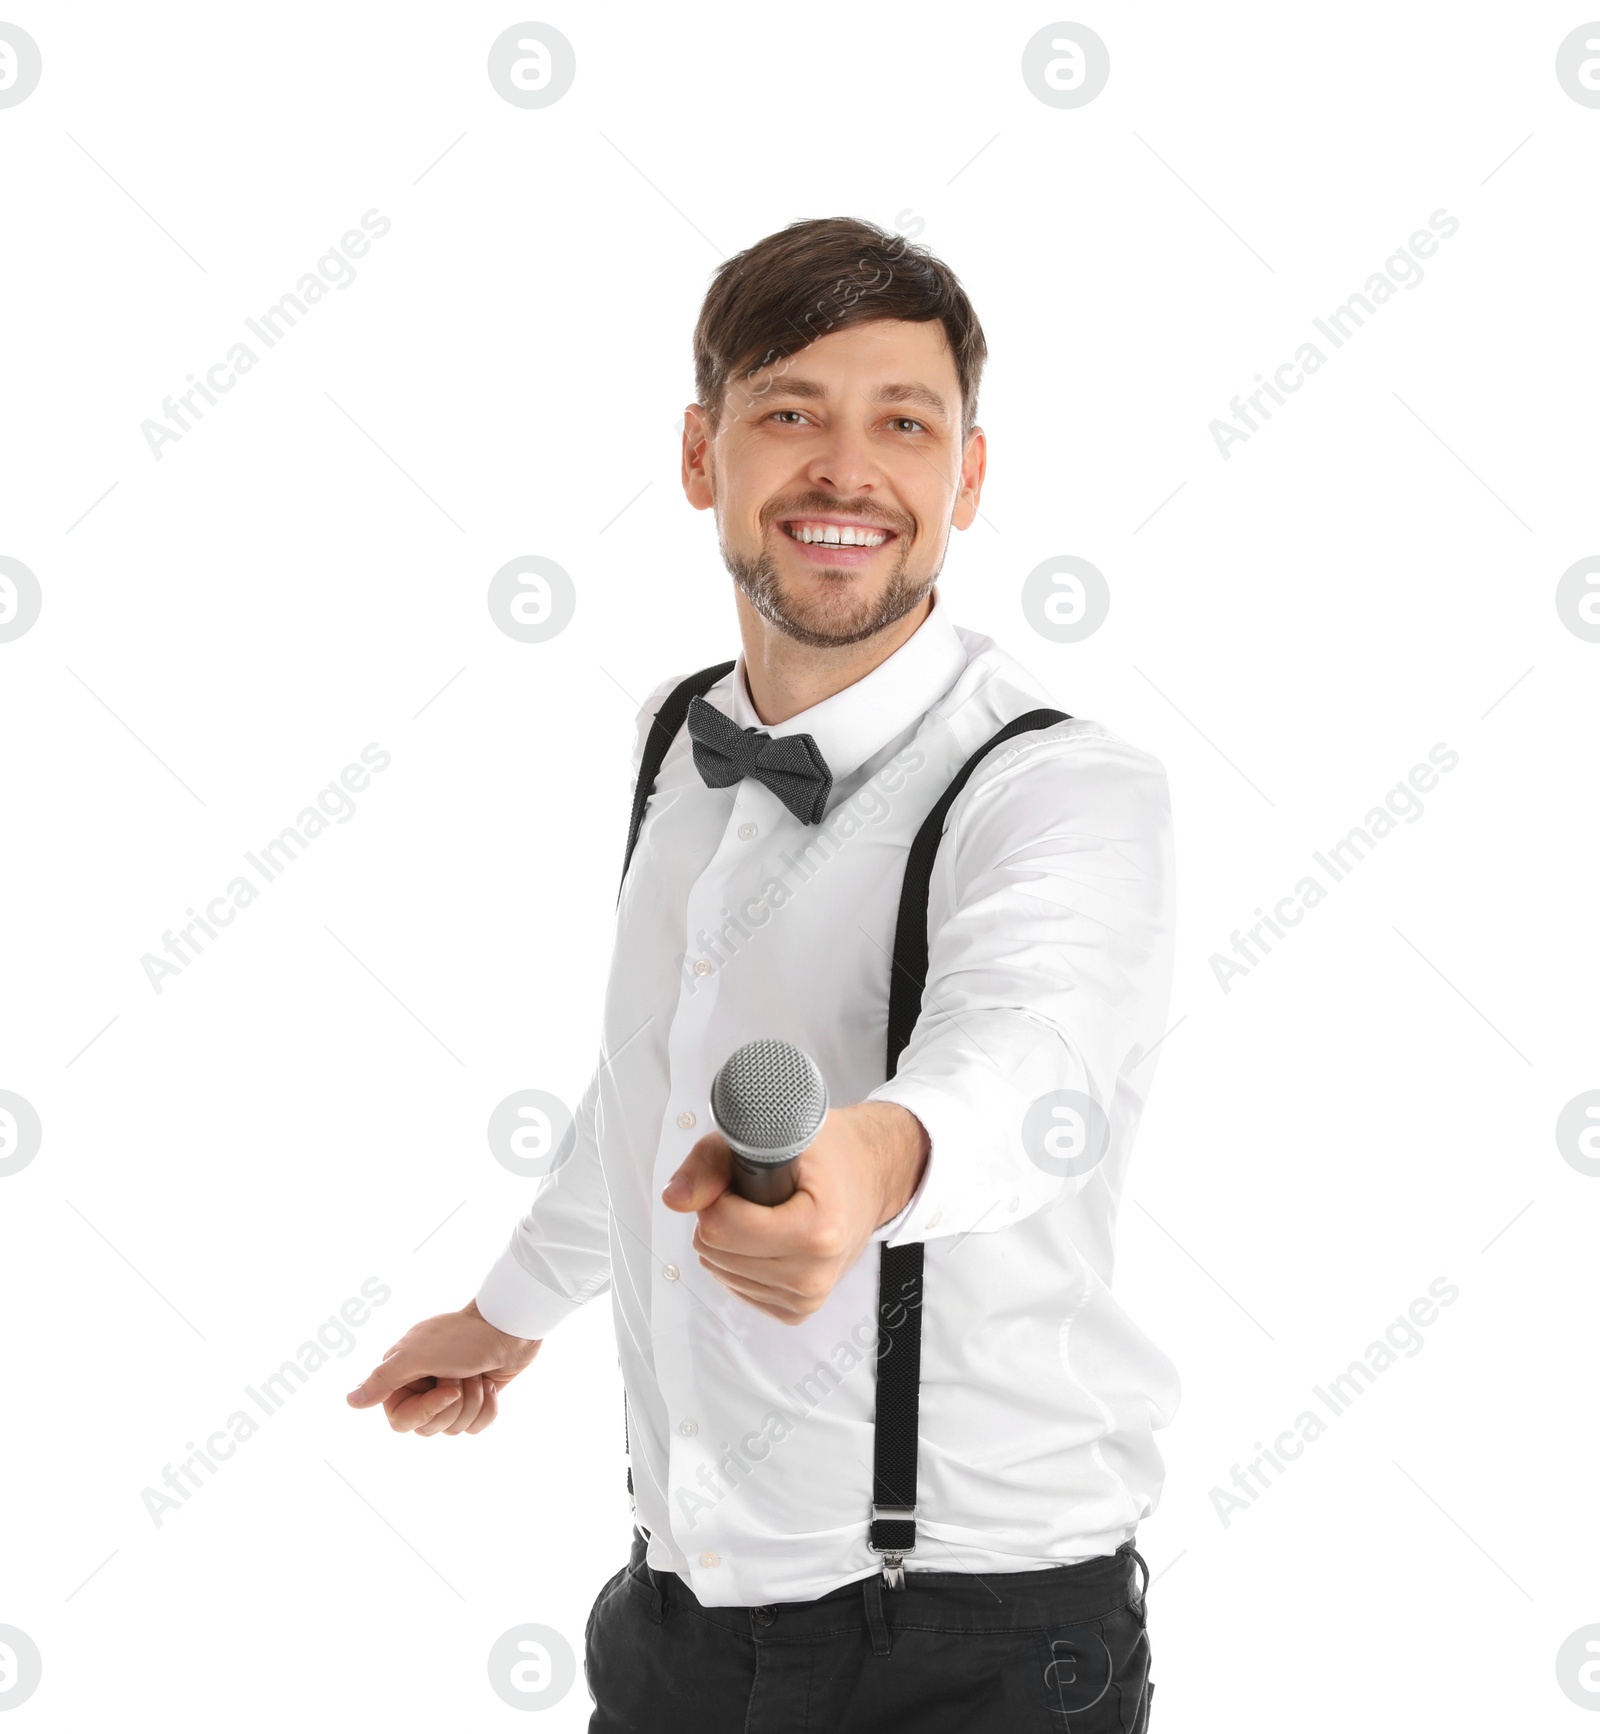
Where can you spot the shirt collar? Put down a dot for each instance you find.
(853, 724)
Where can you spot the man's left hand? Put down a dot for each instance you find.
(785, 1259)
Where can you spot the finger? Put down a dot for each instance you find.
(438, 1423)
(471, 1402)
(783, 1269)
(735, 1224)
(410, 1406)
(491, 1406)
(399, 1367)
(396, 1398)
(703, 1176)
(411, 1412)
(761, 1298)
(780, 1276)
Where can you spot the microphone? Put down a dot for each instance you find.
(768, 1101)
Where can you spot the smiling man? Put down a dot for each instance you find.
(890, 1440)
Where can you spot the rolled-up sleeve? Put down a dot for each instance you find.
(1049, 970)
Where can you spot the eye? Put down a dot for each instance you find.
(914, 423)
(778, 412)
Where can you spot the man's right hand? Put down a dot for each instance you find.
(445, 1374)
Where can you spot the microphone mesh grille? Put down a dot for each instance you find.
(769, 1099)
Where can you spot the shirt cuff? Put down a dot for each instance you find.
(891, 1228)
(959, 1189)
(516, 1302)
(928, 1109)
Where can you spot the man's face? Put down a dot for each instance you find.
(854, 440)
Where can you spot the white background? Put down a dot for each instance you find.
(304, 1107)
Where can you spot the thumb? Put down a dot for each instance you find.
(705, 1175)
(397, 1368)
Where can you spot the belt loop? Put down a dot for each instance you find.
(657, 1605)
(654, 1599)
(650, 1581)
(872, 1594)
(639, 1567)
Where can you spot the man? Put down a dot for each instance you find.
(973, 939)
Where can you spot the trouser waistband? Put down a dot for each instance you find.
(957, 1601)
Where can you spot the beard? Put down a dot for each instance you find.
(841, 615)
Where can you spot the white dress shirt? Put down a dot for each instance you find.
(1050, 963)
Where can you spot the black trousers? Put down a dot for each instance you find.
(950, 1653)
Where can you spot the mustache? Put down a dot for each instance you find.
(820, 508)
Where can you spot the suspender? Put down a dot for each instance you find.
(664, 725)
(893, 1529)
(894, 1442)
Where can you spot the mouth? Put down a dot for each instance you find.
(837, 541)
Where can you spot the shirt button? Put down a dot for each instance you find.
(709, 1559)
(1013, 1204)
(670, 1272)
(933, 1220)
(747, 831)
(702, 966)
(688, 1428)
(686, 1120)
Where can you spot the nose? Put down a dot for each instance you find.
(842, 463)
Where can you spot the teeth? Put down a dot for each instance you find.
(845, 536)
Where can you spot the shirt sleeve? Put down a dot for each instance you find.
(1049, 980)
(559, 1254)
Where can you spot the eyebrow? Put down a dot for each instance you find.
(811, 390)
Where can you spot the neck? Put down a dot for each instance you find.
(787, 677)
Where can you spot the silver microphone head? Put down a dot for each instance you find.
(769, 1100)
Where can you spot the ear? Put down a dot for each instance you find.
(697, 481)
(974, 461)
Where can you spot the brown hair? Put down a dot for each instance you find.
(820, 275)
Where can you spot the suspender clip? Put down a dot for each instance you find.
(894, 1576)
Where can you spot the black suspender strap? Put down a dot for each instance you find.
(910, 970)
(664, 726)
(893, 1531)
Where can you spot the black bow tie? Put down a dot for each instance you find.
(792, 766)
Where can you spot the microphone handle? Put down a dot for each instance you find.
(763, 1182)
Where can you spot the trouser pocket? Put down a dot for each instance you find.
(1097, 1674)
